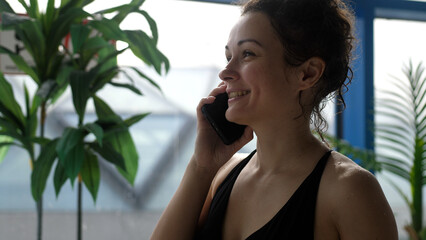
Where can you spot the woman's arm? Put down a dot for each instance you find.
(180, 218)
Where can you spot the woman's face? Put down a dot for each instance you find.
(260, 85)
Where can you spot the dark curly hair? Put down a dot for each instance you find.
(314, 28)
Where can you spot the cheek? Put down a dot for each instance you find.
(258, 76)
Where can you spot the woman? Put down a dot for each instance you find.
(284, 58)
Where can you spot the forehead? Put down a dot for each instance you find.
(253, 25)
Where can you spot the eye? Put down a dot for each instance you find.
(247, 53)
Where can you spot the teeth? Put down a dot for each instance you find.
(237, 94)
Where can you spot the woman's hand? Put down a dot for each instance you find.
(181, 216)
(210, 152)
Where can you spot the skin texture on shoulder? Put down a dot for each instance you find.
(351, 204)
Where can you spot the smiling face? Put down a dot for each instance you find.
(260, 85)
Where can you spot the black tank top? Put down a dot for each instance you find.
(295, 220)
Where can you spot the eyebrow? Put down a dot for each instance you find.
(246, 40)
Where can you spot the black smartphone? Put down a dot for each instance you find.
(228, 131)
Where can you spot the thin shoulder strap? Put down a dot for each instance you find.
(212, 229)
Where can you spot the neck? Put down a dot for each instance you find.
(284, 146)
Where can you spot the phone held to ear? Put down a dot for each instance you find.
(228, 131)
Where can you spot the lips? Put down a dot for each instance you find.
(237, 94)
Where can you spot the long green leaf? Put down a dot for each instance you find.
(120, 140)
(123, 143)
(398, 96)
(62, 81)
(108, 152)
(152, 25)
(79, 34)
(66, 5)
(103, 78)
(31, 34)
(20, 63)
(33, 9)
(80, 86)
(144, 76)
(123, 10)
(388, 146)
(96, 130)
(46, 89)
(419, 92)
(4, 146)
(403, 86)
(91, 47)
(109, 29)
(396, 130)
(9, 131)
(107, 60)
(393, 105)
(59, 178)
(5, 7)
(91, 174)
(395, 139)
(145, 49)
(61, 27)
(31, 119)
(396, 116)
(24, 4)
(396, 170)
(71, 138)
(11, 20)
(10, 123)
(73, 161)
(8, 101)
(400, 191)
(104, 112)
(127, 86)
(42, 169)
(134, 119)
(49, 16)
(392, 160)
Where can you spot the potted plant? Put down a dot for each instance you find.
(86, 65)
(400, 132)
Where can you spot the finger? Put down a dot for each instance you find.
(216, 91)
(205, 100)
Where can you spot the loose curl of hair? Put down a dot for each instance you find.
(314, 28)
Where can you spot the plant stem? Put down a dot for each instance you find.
(39, 218)
(40, 201)
(417, 186)
(79, 212)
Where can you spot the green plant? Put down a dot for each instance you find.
(401, 134)
(86, 67)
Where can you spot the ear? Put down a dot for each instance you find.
(311, 71)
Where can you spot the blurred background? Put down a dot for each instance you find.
(192, 34)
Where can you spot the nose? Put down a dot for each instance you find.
(228, 74)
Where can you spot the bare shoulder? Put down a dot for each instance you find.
(346, 173)
(359, 206)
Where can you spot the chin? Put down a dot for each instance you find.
(235, 118)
